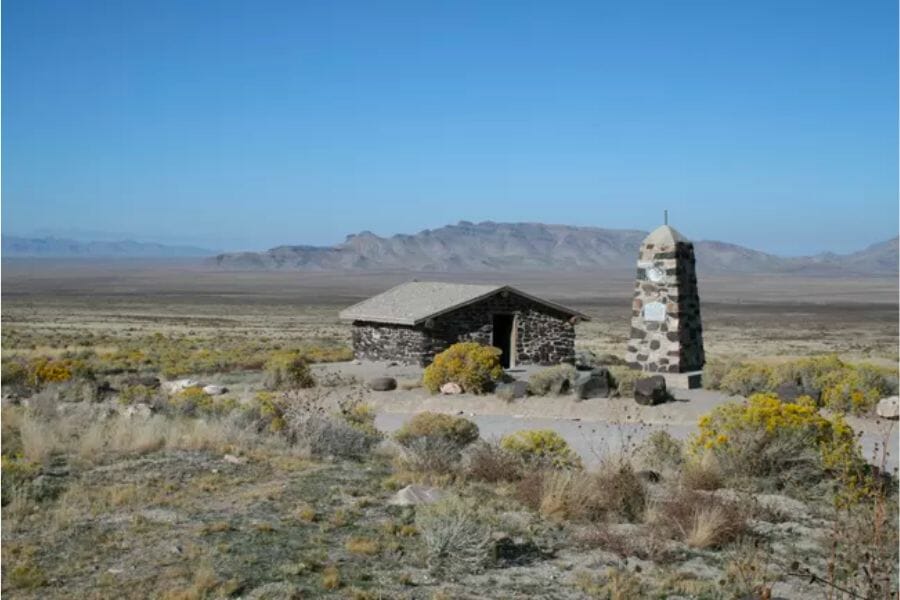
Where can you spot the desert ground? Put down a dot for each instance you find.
(102, 500)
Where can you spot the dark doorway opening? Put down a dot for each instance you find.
(503, 338)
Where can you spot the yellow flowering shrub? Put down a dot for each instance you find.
(787, 441)
(192, 401)
(471, 365)
(541, 446)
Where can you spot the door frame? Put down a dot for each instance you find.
(513, 335)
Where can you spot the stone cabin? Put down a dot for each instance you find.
(414, 321)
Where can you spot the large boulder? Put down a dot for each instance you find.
(650, 391)
(888, 408)
(512, 390)
(593, 384)
(413, 495)
(383, 384)
(179, 385)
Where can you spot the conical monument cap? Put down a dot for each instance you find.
(664, 236)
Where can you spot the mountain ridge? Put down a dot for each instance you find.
(54, 247)
(492, 246)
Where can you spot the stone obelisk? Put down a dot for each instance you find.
(666, 333)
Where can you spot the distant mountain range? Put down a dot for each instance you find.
(52, 247)
(492, 246)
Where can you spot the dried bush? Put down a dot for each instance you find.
(613, 492)
(702, 473)
(700, 520)
(287, 370)
(541, 448)
(431, 455)
(456, 431)
(661, 451)
(557, 379)
(326, 435)
(487, 461)
(476, 368)
(616, 584)
(456, 533)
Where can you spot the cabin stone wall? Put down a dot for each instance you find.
(542, 335)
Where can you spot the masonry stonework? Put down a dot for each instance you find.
(541, 334)
(666, 331)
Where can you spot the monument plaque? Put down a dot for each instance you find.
(655, 311)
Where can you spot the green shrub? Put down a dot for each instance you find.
(287, 370)
(473, 366)
(459, 432)
(541, 447)
(623, 379)
(747, 379)
(133, 394)
(556, 379)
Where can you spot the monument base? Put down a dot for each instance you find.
(691, 380)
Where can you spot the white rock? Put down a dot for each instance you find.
(235, 460)
(889, 408)
(214, 390)
(138, 411)
(412, 495)
(451, 388)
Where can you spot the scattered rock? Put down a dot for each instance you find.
(512, 390)
(650, 391)
(356, 361)
(179, 385)
(382, 384)
(649, 476)
(235, 460)
(139, 411)
(513, 550)
(214, 390)
(594, 384)
(451, 388)
(888, 408)
(413, 495)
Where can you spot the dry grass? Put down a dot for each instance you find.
(700, 520)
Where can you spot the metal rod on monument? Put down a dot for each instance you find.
(666, 217)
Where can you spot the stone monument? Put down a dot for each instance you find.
(666, 335)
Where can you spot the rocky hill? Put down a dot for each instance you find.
(490, 246)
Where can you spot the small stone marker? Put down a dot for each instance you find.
(650, 391)
(382, 384)
(214, 390)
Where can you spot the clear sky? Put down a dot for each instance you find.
(247, 124)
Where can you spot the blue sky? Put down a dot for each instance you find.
(242, 125)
